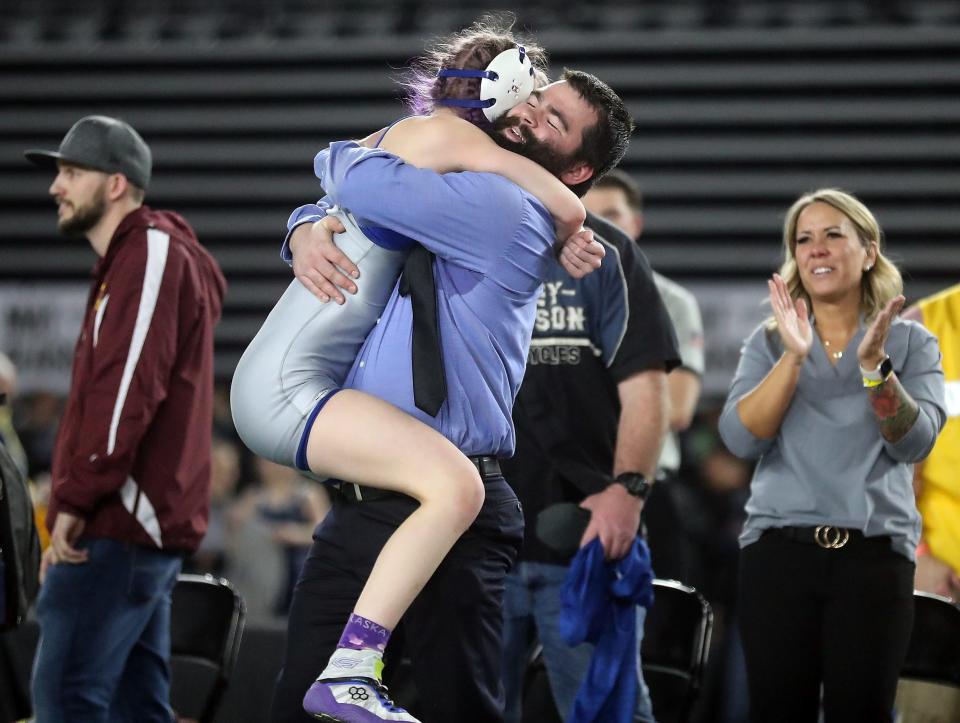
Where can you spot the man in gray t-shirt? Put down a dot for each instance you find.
(616, 197)
(684, 381)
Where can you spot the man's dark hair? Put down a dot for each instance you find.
(620, 181)
(604, 143)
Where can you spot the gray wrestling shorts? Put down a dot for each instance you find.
(304, 351)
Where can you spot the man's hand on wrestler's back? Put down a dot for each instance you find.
(614, 518)
(317, 262)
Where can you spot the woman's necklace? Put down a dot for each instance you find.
(838, 354)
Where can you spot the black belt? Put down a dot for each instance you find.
(488, 467)
(828, 537)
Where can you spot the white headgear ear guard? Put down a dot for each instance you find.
(507, 81)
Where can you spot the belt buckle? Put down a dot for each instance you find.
(830, 537)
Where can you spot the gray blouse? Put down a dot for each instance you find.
(828, 463)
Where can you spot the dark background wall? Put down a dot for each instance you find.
(740, 107)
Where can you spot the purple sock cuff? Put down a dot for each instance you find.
(360, 634)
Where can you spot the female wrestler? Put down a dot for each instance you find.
(299, 359)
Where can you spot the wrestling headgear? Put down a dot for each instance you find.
(507, 81)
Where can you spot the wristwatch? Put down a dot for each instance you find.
(635, 483)
(880, 374)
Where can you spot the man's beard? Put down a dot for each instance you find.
(85, 217)
(537, 151)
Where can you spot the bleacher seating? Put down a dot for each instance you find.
(214, 20)
(736, 115)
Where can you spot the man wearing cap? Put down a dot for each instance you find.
(131, 467)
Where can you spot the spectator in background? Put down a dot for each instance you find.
(131, 468)
(40, 484)
(836, 398)
(590, 418)
(225, 475)
(286, 507)
(712, 510)
(937, 478)
(617, 198)
(38, 419)
(8, 435)
(16, 576)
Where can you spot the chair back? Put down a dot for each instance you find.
(537, 703)
(206, 624)
(934, 651)
(676, 641)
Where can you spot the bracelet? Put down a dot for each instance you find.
(872, 383)
(923, 549)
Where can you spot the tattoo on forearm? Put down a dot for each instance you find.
(895, 409)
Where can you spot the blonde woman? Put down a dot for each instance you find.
(836, 398)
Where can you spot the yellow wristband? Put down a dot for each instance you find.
(871, 383)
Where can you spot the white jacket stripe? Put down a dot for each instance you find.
(96, 324)
(158, 244)
(143, 510)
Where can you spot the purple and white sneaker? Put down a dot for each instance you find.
(352, 700)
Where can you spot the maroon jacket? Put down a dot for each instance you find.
(133, 450)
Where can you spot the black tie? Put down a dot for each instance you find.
(429, 380)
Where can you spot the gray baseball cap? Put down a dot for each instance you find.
(104, 144)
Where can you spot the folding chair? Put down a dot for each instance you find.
(676, 640)
(206, 624)
(537, 704)
(929, 688)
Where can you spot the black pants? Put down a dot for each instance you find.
(810, 616)
(452, 632)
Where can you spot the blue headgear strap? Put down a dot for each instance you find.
(463, 102)
(463, 73)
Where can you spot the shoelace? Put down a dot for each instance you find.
(385, 692)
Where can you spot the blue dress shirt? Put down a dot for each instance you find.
(493, 243)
